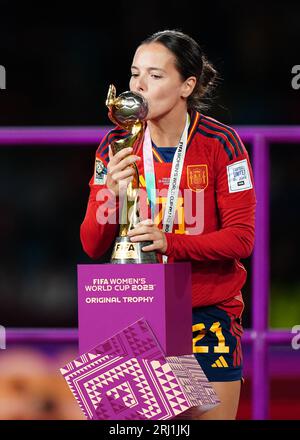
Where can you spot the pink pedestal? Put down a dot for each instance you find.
(111, 297)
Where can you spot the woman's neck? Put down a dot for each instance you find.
(167, 131)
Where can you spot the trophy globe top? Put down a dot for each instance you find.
(128, 109)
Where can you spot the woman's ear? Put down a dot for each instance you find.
(188, 86)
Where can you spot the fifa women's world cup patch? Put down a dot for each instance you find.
(197, 177)
(239, 178)
(100, 173)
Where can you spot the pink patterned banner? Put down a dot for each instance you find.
(128, 377)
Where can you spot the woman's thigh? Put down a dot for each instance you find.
(228, 394)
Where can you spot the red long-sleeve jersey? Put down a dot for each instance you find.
(214, 223)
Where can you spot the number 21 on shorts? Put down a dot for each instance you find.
(217, 330)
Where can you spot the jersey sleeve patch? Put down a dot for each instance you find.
(239, 178)
(100, 172)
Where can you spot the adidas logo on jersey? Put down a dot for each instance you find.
(220, 362)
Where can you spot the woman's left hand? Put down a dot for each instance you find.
(146, 230)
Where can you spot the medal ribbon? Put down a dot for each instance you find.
(177, 166)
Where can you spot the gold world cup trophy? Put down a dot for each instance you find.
(129, 111)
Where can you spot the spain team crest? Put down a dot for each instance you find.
(197, 177)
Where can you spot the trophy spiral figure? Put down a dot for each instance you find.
(129, 111)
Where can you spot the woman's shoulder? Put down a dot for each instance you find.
(116, 132)
(220, 135)
(209, 124)
(113, 134)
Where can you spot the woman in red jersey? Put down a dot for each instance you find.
(171, 72)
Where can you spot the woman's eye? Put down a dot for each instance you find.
(134, 75)
(156, 76)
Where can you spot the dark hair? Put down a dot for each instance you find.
(190, 61)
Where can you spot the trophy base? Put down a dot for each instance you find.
(127, 252)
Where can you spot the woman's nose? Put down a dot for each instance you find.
(140, 84)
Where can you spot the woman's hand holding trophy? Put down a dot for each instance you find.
(119, 170)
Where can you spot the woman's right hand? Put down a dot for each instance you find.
(120, 170)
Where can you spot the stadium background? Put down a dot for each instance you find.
(59, 60)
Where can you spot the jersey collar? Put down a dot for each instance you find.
(194, 120)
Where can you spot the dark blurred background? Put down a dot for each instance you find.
(59, 60)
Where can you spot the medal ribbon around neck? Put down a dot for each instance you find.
(177, 166)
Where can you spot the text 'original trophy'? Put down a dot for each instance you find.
(129, 111)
